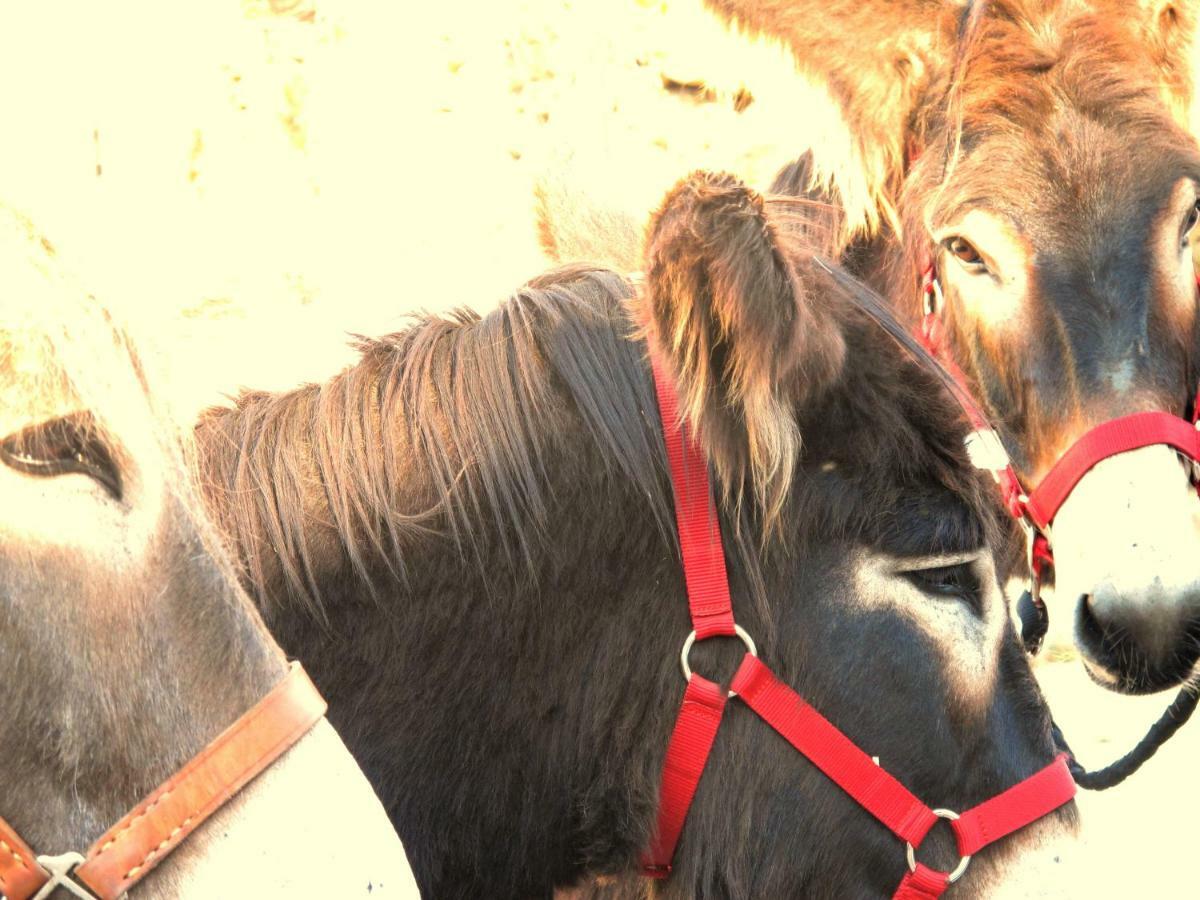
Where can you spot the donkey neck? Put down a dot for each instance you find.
(500, 556)
(312, 803)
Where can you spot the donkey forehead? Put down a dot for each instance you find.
(901, 515)
(1070, 183)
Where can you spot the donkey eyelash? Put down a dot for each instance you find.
(1190, 221)
(958, 581)
(964, 253)
(60, 446)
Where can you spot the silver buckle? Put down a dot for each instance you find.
(691, 639)
(60, 868)
(911, 854)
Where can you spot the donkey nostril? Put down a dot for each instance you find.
(1091, 631)
(1108, 606)
(1139, 641)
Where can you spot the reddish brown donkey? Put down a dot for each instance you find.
(1035, 153)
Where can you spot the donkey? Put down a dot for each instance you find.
(1028, 162)
(468, 538)
(126, 644)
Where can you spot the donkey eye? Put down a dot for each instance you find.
(965, 253)
(957, 581)
(69, 444)
(1189, 223)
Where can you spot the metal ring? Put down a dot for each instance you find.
(691, 639)
(911, 854)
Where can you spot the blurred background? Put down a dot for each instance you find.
(253, 180)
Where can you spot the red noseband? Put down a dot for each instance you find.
(1147, 429)
(1039, 507)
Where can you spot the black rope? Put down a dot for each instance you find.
(1160, 732)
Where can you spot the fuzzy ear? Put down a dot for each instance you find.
(1168, 31)
(725, 309)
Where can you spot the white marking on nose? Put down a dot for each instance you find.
(1127, 537)
(1121, 375)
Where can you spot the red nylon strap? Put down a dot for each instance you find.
(696, 518)
(878, 792)
(1108, 439)
(687, 755)
(931, 339)
(832, 752)
(1024, 802)
(1105, 440)
(922, 883)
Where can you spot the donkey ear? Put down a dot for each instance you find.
(725, 310)
(1168, 29)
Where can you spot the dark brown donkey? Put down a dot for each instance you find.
(126, 645)
(1035, 153)
(468, 539)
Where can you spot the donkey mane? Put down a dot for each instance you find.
(465, 391)
(475, 400)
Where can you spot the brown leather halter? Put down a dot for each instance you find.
(130, 849)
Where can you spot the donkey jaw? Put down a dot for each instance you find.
(1125, 543)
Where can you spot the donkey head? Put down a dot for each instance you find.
(117, 617)
(1057, 196)
(1034, 152)
(879, 534)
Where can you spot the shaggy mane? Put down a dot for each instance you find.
(473, 408)
(476, 401)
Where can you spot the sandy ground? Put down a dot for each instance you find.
(257, 179)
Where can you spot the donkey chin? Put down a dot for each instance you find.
(1127, 551)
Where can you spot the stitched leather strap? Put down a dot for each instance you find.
(687, 755)
(20, 875)
(150, 831)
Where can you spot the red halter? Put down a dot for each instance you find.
(878, 792)
(152, 829)
(1037, 508)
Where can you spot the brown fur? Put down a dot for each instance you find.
(895, 67)
(1066, 121)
